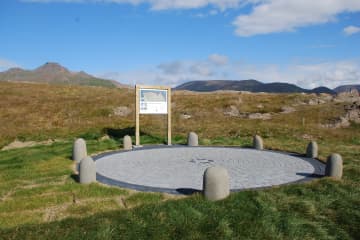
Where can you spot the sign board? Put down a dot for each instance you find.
(153, 101)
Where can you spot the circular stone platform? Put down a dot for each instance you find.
(180, 169)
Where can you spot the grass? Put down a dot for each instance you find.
(40, 199)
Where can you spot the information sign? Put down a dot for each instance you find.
(153, 101)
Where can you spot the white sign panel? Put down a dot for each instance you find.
(153, 101)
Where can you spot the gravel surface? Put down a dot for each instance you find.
(180, 169)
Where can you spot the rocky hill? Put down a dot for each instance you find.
(347, 88)
(248, 85)
(54, 73)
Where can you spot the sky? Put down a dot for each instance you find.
(163, 42)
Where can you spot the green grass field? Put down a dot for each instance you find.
(40, 198)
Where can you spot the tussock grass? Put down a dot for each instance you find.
(39, 198)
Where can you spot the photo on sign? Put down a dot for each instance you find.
(153, 101)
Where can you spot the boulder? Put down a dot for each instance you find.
(258, 143)
(216, 183)
(79, 150)
(334, 166)
(127, 143)
(87, 171)
(312, 150)
(122, 111)
(193, 139)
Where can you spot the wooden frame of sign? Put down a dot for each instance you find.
(157, 101)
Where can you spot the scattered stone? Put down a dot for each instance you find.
(312, 150)
(185, 116)
(258, 143)
(216, 183)
(122, 111)
(326, 97)
(262, 116)
(316, 101)
(79, 150)
(334, 166)
(352, 115)
(260, 106)
(341, 122)
(87, 171)
(353, 111)
(127, 143)
(193, 139)
(287, 109)
(104, 138)
(239, 101)
(348, 96)
(307, 136)
(232, 111)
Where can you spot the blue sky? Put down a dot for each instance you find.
(309, 43)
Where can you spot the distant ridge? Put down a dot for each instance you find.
(248, 85)
(347, 88)
(54, 73)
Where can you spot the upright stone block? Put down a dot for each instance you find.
(216, 184)
(193, 139)
(334, 166)
(312, 150)
(127, 143)
(79, 150)
(258, 143)
(87, 171)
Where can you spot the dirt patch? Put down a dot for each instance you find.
(19, 144)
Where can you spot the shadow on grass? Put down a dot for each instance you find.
(188, 191)
(75, 177)
(312, 175)
(119, 133)
(145, 138)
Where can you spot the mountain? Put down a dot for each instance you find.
(347, 88)
(248, 85)
(54, 73)
(323, 90)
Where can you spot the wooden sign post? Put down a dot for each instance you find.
(152, 100)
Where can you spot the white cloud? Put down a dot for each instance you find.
(165, 4)
(266, 16)
(350, 30)
(6, 64)
(218, 59)
(287, 15)
(330, 74)
(171, 67)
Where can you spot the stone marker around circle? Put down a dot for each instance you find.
(87, 171)
(193, 139)
(216, 183)
(258, 143)
(127, 143)
(79, 150)
(334, 166)
(312, 150)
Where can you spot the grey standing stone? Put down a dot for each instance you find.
(193, 139)
(87, 171)
(79, 150)
(258, 142)
(216, 183)
(312, 150)
(127, 143)
(334, 166)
